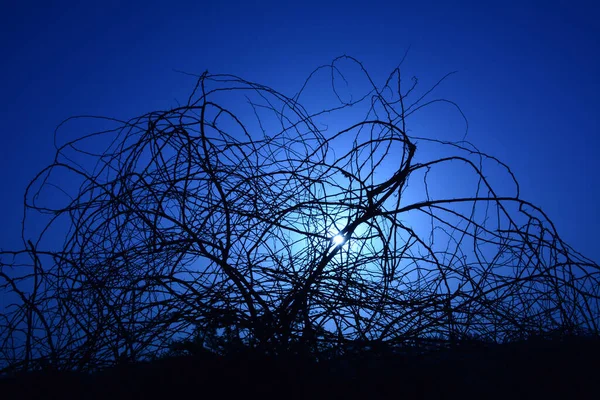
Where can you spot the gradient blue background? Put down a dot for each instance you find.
(528, 77)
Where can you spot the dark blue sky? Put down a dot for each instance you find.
(528, 77)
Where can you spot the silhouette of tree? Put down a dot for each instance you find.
(242, 219)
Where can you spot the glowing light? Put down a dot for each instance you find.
(338, 240)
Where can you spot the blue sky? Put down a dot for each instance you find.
(527, 77)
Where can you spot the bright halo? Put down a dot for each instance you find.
(338, 239)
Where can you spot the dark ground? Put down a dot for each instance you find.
(533, 369)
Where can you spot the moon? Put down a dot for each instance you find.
(338, 240)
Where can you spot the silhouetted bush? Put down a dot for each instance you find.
(244, 223)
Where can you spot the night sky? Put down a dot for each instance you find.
(528, 77)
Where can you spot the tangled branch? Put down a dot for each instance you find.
(245, 215)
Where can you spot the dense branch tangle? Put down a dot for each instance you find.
(221, 213)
